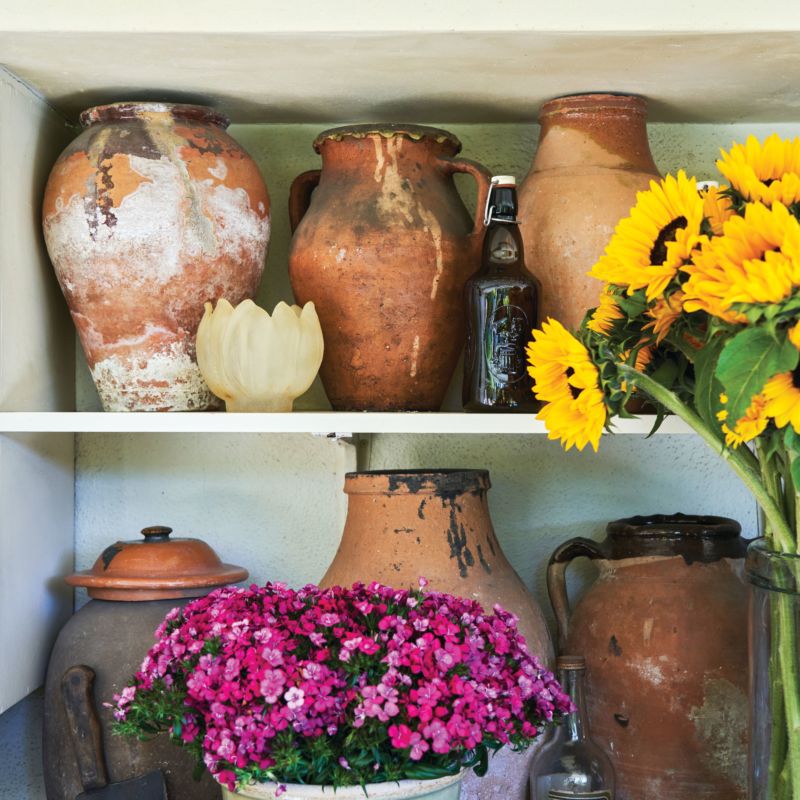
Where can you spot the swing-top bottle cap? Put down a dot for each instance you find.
(504, 180)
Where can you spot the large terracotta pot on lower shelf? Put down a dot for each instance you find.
(664, 634)
(383, 246)
(134, 584)
(151, 212)
(403, 525)
(592, 158)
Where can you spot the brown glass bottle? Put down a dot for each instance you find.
(502, 301)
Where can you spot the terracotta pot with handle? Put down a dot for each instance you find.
(664, 633)
(133, 585)
(383, 246)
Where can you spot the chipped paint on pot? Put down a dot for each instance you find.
(664, 633)
(152, 211)
(405, 524)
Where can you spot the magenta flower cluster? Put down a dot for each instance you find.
(339, 686)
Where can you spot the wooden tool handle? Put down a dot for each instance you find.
(77, 687)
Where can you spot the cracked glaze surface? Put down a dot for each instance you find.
(148, 214)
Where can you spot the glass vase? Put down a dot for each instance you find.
(774, 673)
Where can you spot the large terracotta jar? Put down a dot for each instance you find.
(133, 584)
(664, 634)
(401, 525)
(592, 158)
(153, 210)
(383, 245)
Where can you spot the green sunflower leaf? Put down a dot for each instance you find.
(707, 387)
(747, 362)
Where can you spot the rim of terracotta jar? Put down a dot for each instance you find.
(579, 104)
(129, 109)
(443, 482)
(388, 130)
(675, 526)
(389, 790)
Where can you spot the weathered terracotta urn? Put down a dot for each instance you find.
(664, 633)
(383, 246)
(402, 525)
(592, 158)
(133, 585)
(151, 212)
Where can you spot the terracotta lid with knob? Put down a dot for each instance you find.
(156, 568)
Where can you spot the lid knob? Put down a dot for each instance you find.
(156, 533)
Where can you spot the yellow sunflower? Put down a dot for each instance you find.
(716, 208)
(783, 400)
(606, 313)
(664, 312)
(567, 382)
(756, 260)
(650, 245)
(768, 173)
(750, 425)
(794, 335)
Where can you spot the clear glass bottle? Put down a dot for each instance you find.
(502, 309)
(571, 765)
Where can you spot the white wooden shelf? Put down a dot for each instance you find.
(317, 422)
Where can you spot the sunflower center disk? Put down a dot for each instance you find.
(569, 372)
(658, 254)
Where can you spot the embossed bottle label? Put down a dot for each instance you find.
(506, 333)
(562, 794)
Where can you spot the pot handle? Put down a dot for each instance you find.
(77, 689)
(300, 195)
(482, 177)
(556, 580)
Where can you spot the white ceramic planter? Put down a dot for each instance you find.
(448, 788)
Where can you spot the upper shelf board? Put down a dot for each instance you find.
(326, 423)
(466, 61)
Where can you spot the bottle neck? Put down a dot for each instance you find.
(502, 249)
(576, 724)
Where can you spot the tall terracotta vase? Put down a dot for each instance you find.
(383, 246)
(153, 210)
(592, 158)
(436, 524)
(664, 633)
(133, 585)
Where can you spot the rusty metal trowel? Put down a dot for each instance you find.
(87, 741)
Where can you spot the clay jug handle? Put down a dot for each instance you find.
(556, 580)
(300, 195)
(482, 177)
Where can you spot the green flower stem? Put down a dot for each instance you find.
(776, 783)
(745, 466)
(787, 655)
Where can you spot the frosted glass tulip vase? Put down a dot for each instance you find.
(257, 362)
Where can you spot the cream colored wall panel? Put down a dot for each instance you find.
(271, 503)
(36, 550)
(449, 74)
(36, 334)
(245, 16)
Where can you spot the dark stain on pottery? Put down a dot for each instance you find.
(484, 562)
(108, 554)
(613, 647)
